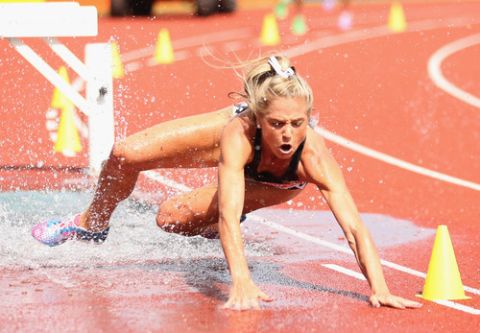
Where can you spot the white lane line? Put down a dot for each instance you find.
(370, 33)
(450, 304)
(133, 66)
(386, 158)
(189, 42)
(355, 36)
(394, 161)
(181, 187)
(179, 56)
(435, 70)
(349, 37)
(343, 249)
(345, 271)
(166, 181)
(458, 306)
(324, 42)
(155, 176)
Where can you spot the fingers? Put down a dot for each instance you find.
(403, 303)
(411, 304)
(242, 303)
(394, 302)
(397, 304)
(374, 302)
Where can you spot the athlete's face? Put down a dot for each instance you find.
(284, 125)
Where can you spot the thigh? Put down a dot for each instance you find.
(192, 212)
(189, 142)
(260, 196)
(189, 213)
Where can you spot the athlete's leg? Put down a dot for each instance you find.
(188, 214)
(187, 142)
(196, 212)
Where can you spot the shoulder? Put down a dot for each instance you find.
(241, 127)
(315, 149)
(236, 141)
(318, 164)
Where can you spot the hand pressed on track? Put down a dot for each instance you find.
(387, 299)
(245, 296)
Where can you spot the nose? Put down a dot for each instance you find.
(287, 132)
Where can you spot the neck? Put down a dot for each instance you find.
(269, 162)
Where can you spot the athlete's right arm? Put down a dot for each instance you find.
(235, 151)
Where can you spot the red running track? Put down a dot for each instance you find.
(371, 87)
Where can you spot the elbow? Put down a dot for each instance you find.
(354, 234)
(226, 218)
(228, 223)
(358, 238)
(222, 221)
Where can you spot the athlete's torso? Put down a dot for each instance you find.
(288, 181)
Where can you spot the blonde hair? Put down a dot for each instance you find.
(262, 84)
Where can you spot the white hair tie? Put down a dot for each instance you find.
(278, 68)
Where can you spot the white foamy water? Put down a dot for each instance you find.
(135, 239)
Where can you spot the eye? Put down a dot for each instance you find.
(276, 124)
(297, 123)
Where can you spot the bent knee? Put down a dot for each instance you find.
(171, 220)
(126, 154)
(120, 152)
(175, 217)
(166, 222)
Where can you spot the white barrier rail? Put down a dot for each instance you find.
(48, 20)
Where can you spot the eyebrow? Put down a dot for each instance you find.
(283, 120)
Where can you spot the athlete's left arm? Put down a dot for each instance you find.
(321, 168)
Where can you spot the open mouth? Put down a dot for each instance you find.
(286, 148)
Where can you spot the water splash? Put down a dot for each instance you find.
(134, 236)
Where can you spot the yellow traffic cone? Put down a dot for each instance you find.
(163, 48)
(443, 280)
(270, 35)
(68, 141)
(117, 69)
(396, 18)
(59, 100)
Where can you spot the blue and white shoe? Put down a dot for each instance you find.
(55, 231)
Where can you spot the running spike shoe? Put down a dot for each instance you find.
(55, 231)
